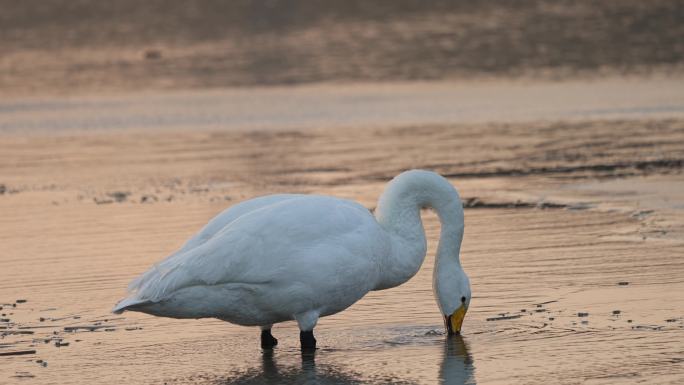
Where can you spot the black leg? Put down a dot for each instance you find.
(307, 340)
(267, 340)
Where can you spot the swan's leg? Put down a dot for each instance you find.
(307, 340)
(307, 321)
(267, 339)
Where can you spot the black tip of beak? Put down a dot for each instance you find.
(449, 329)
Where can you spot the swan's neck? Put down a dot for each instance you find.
(398, 212)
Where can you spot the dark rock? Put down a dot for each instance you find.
(119, 196)
(153, 54)
(18, 353)
(148, 199)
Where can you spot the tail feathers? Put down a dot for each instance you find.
(128, 303)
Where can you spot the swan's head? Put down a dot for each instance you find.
(452, 289)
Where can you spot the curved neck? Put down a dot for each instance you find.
(398, 212)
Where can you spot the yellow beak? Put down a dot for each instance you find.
(454, 322)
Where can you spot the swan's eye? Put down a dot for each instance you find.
(463, 299)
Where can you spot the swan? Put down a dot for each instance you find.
(289, 256)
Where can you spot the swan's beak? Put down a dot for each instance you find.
(455, 320)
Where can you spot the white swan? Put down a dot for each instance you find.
(282, 257)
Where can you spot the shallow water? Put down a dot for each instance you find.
(548, 231)
(552, 263)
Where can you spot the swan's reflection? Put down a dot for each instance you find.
(457, 364)
(308, 373)
(456, 369)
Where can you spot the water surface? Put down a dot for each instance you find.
(574, 280)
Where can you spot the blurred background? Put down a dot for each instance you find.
(67, 46)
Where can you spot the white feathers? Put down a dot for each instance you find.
(283, 257)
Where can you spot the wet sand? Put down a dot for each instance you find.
(574, 243)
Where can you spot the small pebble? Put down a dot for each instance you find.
(523, 310)
(629, 321)
(580, 314)
(623, 283)
(41, 319)
(671, 320)
(21, 301)
(551, 318)
(616, 312)
(60, 344)
(23, 375)
(539, 305)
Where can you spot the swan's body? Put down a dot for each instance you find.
(283, 257)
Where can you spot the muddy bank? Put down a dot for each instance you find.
(209, 163)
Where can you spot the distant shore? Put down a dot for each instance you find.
(91, 46)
